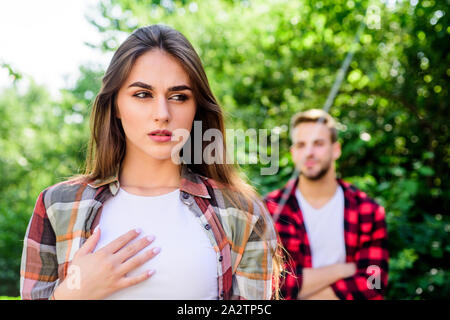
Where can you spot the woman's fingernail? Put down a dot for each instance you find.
(156, 250)
(150, 238)
(150, 272)
(96, 229)
(138, 230)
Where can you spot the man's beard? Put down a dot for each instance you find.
(319, 175)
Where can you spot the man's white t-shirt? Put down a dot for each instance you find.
(186, 267)
(325, 229)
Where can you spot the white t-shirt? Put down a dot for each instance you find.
(186, 267)
(325, 229)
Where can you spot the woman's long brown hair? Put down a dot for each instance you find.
(107, 146)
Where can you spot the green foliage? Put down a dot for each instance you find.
(267, 60)
(9, 298)
(42, 142)
(15, 76)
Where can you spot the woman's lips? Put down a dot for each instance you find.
(160, 135)
(160, 138)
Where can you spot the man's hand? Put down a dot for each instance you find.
(317, 279)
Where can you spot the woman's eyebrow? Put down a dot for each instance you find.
(179, 88)
(141, 85)
(149, 87)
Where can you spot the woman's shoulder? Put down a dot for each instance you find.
(68, 191)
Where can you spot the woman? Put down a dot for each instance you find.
(140, 224)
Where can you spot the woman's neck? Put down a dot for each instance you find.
(143, 175)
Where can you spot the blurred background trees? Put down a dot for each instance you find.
(267, 60)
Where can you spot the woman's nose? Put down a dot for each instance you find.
(161, 111)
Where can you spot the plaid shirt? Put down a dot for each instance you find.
(66, 214)
(365, 237)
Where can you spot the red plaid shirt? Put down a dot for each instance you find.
(365, 236)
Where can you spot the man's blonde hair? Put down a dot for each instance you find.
(315, 115)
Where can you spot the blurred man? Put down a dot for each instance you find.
(334, 233)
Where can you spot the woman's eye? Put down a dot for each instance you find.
(142, 95)
(179, 97)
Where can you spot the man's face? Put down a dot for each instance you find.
(312, 150)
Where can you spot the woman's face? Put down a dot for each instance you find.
(155, 100)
